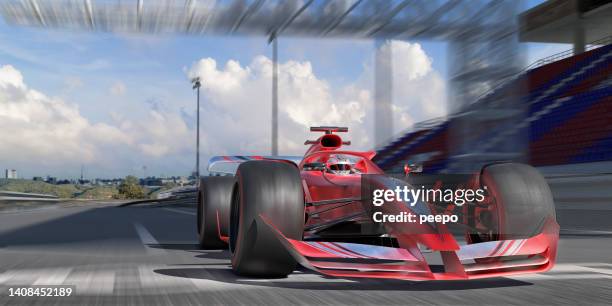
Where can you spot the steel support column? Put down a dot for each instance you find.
(275, 96)
(383, 92)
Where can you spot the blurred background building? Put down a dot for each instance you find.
(10, 174)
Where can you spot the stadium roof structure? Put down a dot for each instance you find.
(367, 19)
(560, 21)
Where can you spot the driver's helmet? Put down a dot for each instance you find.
(339, 165)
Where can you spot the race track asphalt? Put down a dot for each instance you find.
(146, 255)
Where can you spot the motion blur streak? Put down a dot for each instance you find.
(97, 249)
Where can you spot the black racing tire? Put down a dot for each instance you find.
(214, 197)
(272, 189)
(522, 197)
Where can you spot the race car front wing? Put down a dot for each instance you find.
(470, 261)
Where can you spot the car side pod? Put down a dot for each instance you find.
(473, 261)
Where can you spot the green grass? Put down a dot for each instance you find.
(98, 193)
(71, 191)
(29, 186)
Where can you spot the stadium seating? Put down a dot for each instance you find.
(425, 140)
(568, 120)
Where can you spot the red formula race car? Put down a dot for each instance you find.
(318, 211)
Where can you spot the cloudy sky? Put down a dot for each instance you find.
(123, 104)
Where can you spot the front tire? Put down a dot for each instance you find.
(272, 189)
(214, 199)
(521, 201)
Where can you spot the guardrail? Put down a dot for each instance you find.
(186, 196)
(31, 197)
(569, 53)
(176, 192)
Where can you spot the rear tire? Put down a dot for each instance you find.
(214, 197)
(522, 197)
(272, 189)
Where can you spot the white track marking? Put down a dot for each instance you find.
(6, 276)
(583, 268)
(37, 277)
(561, 276)
(180, 211)
(25, 276)
(533, 277)
(53, 277)
(598, 270)
(301, 278)
(147, 239)
(584, 232)
(586, 264)
(569, 272)
(101, 282)
(144, 234)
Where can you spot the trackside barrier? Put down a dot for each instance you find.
(579, 191)
(29, 197)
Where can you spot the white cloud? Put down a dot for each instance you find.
(9, 76)
(117, 89)
(44, 129)
(238, 118)
(45, 133)
(49, 134)
(419, 92)
(410, 61)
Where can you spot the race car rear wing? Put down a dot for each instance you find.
(227, 165)
(329, 129)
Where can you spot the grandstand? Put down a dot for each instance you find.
(555, 114)
(568, 117)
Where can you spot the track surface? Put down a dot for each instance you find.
(147, 255)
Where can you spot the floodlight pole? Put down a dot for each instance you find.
(274, 94)
(197, 85)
